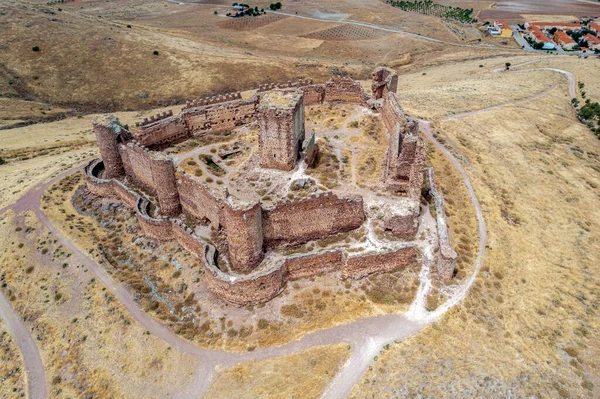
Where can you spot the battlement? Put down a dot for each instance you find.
(156, 118)
(289, 84)
(213, 100)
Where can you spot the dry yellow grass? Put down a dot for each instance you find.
(527, 327)
(88, 343)
(301, 375)
(12, 368)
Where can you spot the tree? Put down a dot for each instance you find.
(507, 65)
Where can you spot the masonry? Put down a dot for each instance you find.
(135, 170)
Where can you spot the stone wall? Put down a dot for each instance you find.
(446, 255)
(154, 228)
(304, 266)
(244, 236)
(197, 199)
(246, 290)
(392, 113)
(318, 216)
(359, 266)
(154, 172)
(107, 130)
(385, 80)
(345, 90)
(281, 123)
(313, 94)
(220, 117)
(287, 85)
(164, 132)
(213, 100)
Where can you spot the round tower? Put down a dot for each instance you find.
(244, 236)
(108, 130)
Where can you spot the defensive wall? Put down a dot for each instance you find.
(265, 282)
(252, 230)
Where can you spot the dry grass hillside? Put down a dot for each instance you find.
(527, 328)
(12, 368)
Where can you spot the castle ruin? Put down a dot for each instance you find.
(135, 169)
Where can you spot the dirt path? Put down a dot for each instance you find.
(36, 382)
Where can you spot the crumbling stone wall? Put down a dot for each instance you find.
(244, 290)
(166, 131)
(289, 84)
(446, 255)
(385, 80)
(406, 151)
(220, 117)
(360, 266)
(345, 90)
(304, 266)
(318, 216)
(313, 94)
(244, 236)
(213, 100)
(281, 122)
(154, 228)
(197, 199)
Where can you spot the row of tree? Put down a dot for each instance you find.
(428, 7)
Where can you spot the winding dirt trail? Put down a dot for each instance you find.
(366, 336)
(36, 381)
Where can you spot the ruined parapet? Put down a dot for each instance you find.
(447, 256)
(402, 219)
(213, 100)
(313, 94)
(156, 118)
(109, 133)
(244, 235)
(345, 90)
(310, 149)
(316, 217)
(376, 262)
(289, 84)
(281, 122)
(254, 288)
(392, 113)
(385, 80)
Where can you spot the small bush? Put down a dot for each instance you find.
(35, 48)
(262, 324)
(129, 26)
(155, 52)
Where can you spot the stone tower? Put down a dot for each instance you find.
(109, 132)
(385, 80)
(281, 121)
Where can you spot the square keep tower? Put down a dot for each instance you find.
(281, 121)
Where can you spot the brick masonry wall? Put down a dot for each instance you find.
(385, 80)
(167, 131)
(186, 238)
(304, 266)
(314, 94)
(197, 200)
(360, 266)
(345, 90)
(156, 229)
(246, 290)
(244, 236)
(297, 221)
(392, 112)
(281, 133)
(220, 117)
